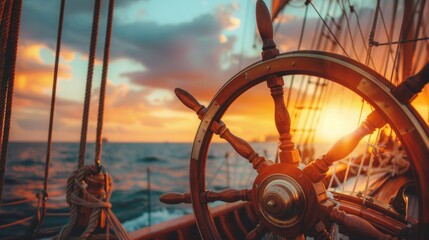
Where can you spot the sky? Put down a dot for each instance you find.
(157, 46)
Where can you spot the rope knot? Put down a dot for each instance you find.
(88, 194)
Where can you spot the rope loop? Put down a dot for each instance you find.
(88, 194)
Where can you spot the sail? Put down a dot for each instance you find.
(277, 6)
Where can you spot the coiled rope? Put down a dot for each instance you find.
(79, 196)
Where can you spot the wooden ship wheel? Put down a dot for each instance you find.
(289, 198)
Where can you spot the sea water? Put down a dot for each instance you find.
(127, 164)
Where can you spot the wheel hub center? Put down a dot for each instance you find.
(282, 201)
(277, 200)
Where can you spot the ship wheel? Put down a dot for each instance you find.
(289, 198)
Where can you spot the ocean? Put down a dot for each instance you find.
(127, 164)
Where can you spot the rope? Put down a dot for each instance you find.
(78, 197)
(372, 33)
(329, 29)
(300, 96)
(3, 91)
(91, 59)
(99, 141)
(399, 47)
(301, 36)
(352, 9)
(54, 92)
(389, 50)
(342, 5)
(9, 76)
(419, 22)
(2, 5)
(17, 202)
(322, 85)
(18, 222)
(44, 194)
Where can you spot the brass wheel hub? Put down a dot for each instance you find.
(282, 200)
(286, 200)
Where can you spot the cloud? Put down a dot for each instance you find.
(187, 55)
(183, 54)
(33, 73)
(197, 55)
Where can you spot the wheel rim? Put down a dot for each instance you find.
(361, 80)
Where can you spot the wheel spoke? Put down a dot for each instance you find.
(175, 198)
(227, 195)
(317, 169)
(405, 92)
(257, 233)
(241, 146)
(287, 151)
(219, 128)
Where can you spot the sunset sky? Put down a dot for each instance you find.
(157, 45)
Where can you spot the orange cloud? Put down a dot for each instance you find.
(34, 74)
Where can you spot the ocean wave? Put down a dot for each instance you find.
(157, 216)
(150, 159)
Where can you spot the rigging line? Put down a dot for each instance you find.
(309, 112)
(18, 222)
(9, 74)
(399, 47)
(280, 18)
(4, 34)
(300, 97)
(17, 202)
(352, 10)
(351, 155)
(53, 96)
(396, 56)
(362, 160)
(323, 101)
(389, 50)
(216, 173)
(89, 76)
(3, 80)
(393, 21)
(338, 30)
(102, 97)
(318, 105)
(315, 43)
(419, 21)
(44, 193)
(389, 39)
(301, 36)
(418, 58)
(330, 31)
(424, 34)
(372, 33)
(2, 7)
(318, 83)
(399, 42)
(323, 83)
(371, 162)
